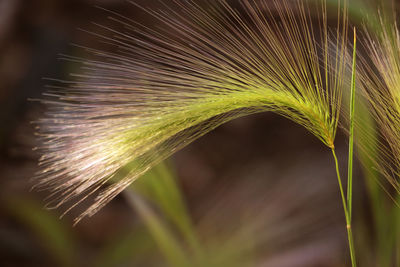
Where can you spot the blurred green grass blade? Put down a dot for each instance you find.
(168, 244)
(126, 248)
(363, 12)
(383, 240)
(56, 237)
(160, 187)
(380, 245)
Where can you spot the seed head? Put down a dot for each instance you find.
(159, 88)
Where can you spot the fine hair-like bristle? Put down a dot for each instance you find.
(161, 88)
(379, 78)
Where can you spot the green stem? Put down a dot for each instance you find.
(346, 213)
(351, 136)
(340, 184)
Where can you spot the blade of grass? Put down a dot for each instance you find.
(159, 186)
(350, 160)
(351, 137)
(366, 135)
(168, 244)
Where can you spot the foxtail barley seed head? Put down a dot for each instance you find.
(380, 80)
(160, 88)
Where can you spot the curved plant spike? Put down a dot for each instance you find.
(379, 77)
(161, 88)
(381, 86)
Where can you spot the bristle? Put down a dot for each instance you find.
(380, 81)
(162, 88)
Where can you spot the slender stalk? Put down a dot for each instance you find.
(351, 245)
(346, 213)
(351, 137)
(340, 184)
(347, 202)
(350, 156)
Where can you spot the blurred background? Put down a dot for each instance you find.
(258, 191)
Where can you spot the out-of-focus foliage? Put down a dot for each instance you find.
(52, 233)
